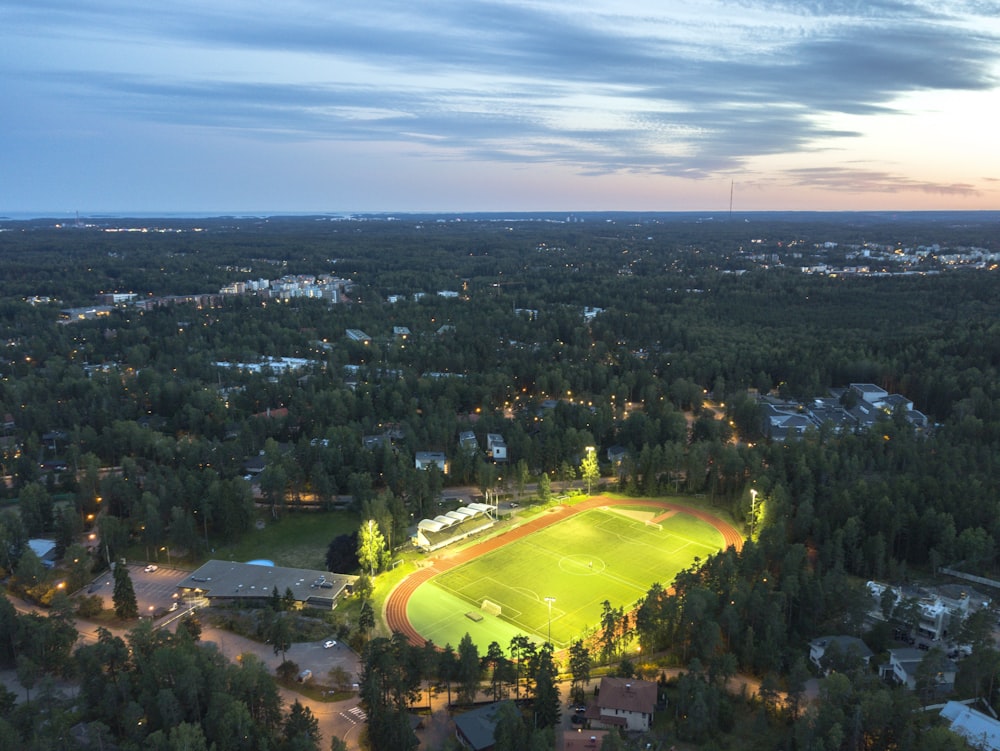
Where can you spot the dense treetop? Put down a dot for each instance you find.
(155, 434)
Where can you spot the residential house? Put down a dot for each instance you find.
(474, 729)
(839, 647)
(357, 335)
(390, 434)
(45, 550)
(616, 454)
(980, 730)
(936, 608)
(904, 663)
(626, 703)
(496, 447)
(53, 438)
(467, 441)
(427, 459)
(374, 441)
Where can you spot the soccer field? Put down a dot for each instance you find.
(612, 554)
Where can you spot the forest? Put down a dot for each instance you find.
(127, 424)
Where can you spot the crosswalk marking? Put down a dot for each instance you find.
(355, 715)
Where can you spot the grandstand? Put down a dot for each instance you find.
(453, 526)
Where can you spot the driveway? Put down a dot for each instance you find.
(342, 718)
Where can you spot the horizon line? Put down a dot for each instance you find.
(222, 214)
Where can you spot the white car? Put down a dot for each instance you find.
(150, 568)
(329, 643)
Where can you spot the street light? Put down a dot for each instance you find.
(753, 509)
(549, 601)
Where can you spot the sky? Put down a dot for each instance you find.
(459, 105)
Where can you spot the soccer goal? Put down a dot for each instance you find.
(490, 607)
(655, 525)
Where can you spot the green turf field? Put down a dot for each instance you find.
(604, 554)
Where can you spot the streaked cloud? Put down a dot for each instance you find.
(587, 88)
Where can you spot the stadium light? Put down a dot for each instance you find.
(753, 509)
(550, 600)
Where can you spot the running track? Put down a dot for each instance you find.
(395, 605)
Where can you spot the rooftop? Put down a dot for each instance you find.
(627, 695)
(231, 580)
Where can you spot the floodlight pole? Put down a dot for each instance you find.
(549, 601)
(753, 510)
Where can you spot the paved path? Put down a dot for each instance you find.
(396, 602)
(342, 718)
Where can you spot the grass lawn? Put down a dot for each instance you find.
(612, 554)
(296, 540)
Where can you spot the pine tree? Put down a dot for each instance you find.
(579, 664)
(301, 729)
(546, 689)
(126, 605)
(469, 670)
(366, 618)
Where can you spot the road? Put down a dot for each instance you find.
(342, 718)
(335, 718)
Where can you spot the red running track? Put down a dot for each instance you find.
(395, 606)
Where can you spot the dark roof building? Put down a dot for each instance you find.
(227, 581)
(844, 646)
(624, 703)
(474, 729)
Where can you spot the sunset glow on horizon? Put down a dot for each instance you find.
(499, 106)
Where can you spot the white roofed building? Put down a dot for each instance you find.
(452, 526)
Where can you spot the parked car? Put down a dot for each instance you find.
(329, 643)
(150, 568)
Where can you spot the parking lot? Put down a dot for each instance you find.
(155, 591)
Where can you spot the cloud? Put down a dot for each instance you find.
(603, 88)
(858, 180)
